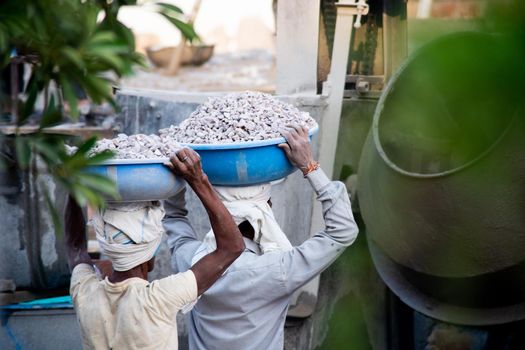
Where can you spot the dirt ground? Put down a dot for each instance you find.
(240, 71)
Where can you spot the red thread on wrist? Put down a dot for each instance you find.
(312, 166)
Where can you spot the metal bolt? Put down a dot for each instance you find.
(362, 86)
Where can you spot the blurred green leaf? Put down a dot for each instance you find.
(29, 105)
(23, 150)
(186, 29)
(52, 115)
(69, 95)
(50, 152)
(103, 37)
(98, 88)
(68, 48)
(100, 157)
(73, 56)
(169, 7)
(86, 146)
(99, 182)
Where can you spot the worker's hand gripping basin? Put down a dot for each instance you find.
(228, 164)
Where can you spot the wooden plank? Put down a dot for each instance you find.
(7, 285)
(16, 297)
(78, 129)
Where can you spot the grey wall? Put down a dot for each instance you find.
(31, 254)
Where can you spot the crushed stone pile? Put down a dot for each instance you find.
(137, 146)
(237, 117)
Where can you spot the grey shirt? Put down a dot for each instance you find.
(246, 308)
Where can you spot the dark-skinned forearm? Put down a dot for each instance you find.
(75, 234)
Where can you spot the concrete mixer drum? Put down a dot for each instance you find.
(442, 183)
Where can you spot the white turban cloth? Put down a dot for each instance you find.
(250, 203)
(129, 234)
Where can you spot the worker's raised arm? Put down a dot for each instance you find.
(304, 262)
(75, 234)
(230, 244)
(182, 239)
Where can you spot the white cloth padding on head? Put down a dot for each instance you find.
(129, 234)
(251, 203)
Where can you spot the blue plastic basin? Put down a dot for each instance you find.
(246, 163)
(233, 164)
(140, 180)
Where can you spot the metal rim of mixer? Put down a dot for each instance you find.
(379, 112)
(410, 294)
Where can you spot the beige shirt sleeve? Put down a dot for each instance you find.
(82, 276)
(175, 290)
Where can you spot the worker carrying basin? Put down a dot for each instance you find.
(442, 183)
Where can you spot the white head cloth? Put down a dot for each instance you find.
(251, 203)
(129, 234)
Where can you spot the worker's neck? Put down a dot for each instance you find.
(140, 271)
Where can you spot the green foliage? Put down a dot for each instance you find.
(68, 49)
(71, 45)
(175, 16)
(68, 167)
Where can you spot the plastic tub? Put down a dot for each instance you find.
(141, 179)
(246, 163)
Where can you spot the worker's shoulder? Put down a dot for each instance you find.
(82, 273)
(184, 280)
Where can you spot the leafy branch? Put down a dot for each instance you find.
(71, 46)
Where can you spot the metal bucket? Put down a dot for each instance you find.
(442, 184)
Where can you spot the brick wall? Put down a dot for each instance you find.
(451, 8)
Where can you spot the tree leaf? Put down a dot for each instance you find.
(114, 62)
(169, 7)
(87, 195)
(23, 150)
(98, 88)
(99, 182)
(52, 115)
(69, 96)
(50, 153)
(29, 105)
(186, 29)
(100, 157)
(86, 146)
(74, 57)
(103, 37)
